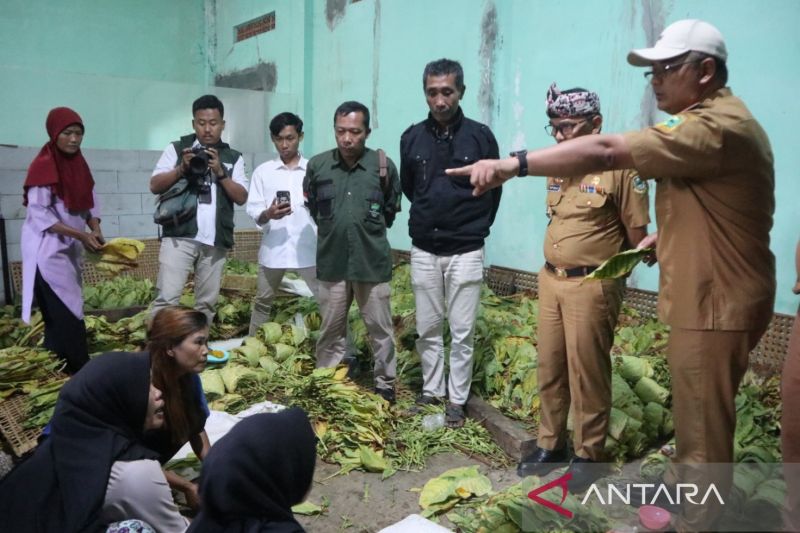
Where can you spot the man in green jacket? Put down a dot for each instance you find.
(353, 194)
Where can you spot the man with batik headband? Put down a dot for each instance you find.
(592, 217)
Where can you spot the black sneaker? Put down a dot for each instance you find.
(386, 394)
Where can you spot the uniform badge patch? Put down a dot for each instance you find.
(639, 185)
(671, 123)
(554, 187)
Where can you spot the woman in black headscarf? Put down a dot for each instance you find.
(96, 432)
(254, 475)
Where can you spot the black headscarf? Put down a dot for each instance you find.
(98, 419)
(253, 475)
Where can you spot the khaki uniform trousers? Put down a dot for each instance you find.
(335, 299)
(790, 428)
(575, 334)
(706, 367)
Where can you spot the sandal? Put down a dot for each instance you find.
(454, 415)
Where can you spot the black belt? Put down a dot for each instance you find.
(570, 272)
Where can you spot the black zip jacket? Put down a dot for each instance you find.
(445, 219)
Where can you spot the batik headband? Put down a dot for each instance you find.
(572, 104)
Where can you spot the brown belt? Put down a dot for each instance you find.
(570, 272)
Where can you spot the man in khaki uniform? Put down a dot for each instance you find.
(714, 205)
(592, 217)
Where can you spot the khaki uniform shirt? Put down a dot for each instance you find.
(714, 203)
(352, 212)
(588, 216)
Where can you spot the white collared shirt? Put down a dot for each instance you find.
(290, 242)
(206, 213)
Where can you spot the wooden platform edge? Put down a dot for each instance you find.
(508, 434)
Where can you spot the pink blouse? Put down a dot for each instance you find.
(58, 258)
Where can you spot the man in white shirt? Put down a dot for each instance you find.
(276, 203)
(200, 243)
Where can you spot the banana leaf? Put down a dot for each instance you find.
(619, 265)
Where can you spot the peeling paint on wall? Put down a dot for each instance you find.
(376, 61)
(262, 77)
(653, 17)
(487, 57)
(519, 141)
(334, 12)
(210, 10)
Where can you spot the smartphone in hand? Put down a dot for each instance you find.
(283, 198)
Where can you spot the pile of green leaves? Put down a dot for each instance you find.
(25, 369)
(41, 402)
(239, 267)
(15, 332)
(442, 493)
(511, 510)
(409, 447)
(758, 415)
(126, 334)
(121, 291)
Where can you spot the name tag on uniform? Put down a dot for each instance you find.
(554, 187)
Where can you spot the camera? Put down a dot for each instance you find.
(198, 165)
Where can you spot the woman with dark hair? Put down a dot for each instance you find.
(93, 468)
(255, 474)
(177, 342)
(60, 200)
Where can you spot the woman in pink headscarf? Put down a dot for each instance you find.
(59, 195)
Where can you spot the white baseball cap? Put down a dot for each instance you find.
(681, 37)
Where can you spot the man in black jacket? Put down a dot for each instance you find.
(448, 227)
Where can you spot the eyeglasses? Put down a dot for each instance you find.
(566, 128)
(667, 69)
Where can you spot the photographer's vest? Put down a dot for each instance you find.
(224, 218)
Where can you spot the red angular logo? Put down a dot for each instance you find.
(558, 482)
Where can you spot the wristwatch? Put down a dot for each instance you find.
(522, 156)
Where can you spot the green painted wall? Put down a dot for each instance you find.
(283, 47)
(132, 69)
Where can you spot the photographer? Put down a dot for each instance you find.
(216, 177)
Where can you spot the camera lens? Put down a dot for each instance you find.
(198, 165)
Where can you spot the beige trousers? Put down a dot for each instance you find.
(177, 258)
(373, 302)
(138, 489)
(269, 279)
(446, 286)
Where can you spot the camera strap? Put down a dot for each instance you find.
(383, 171)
